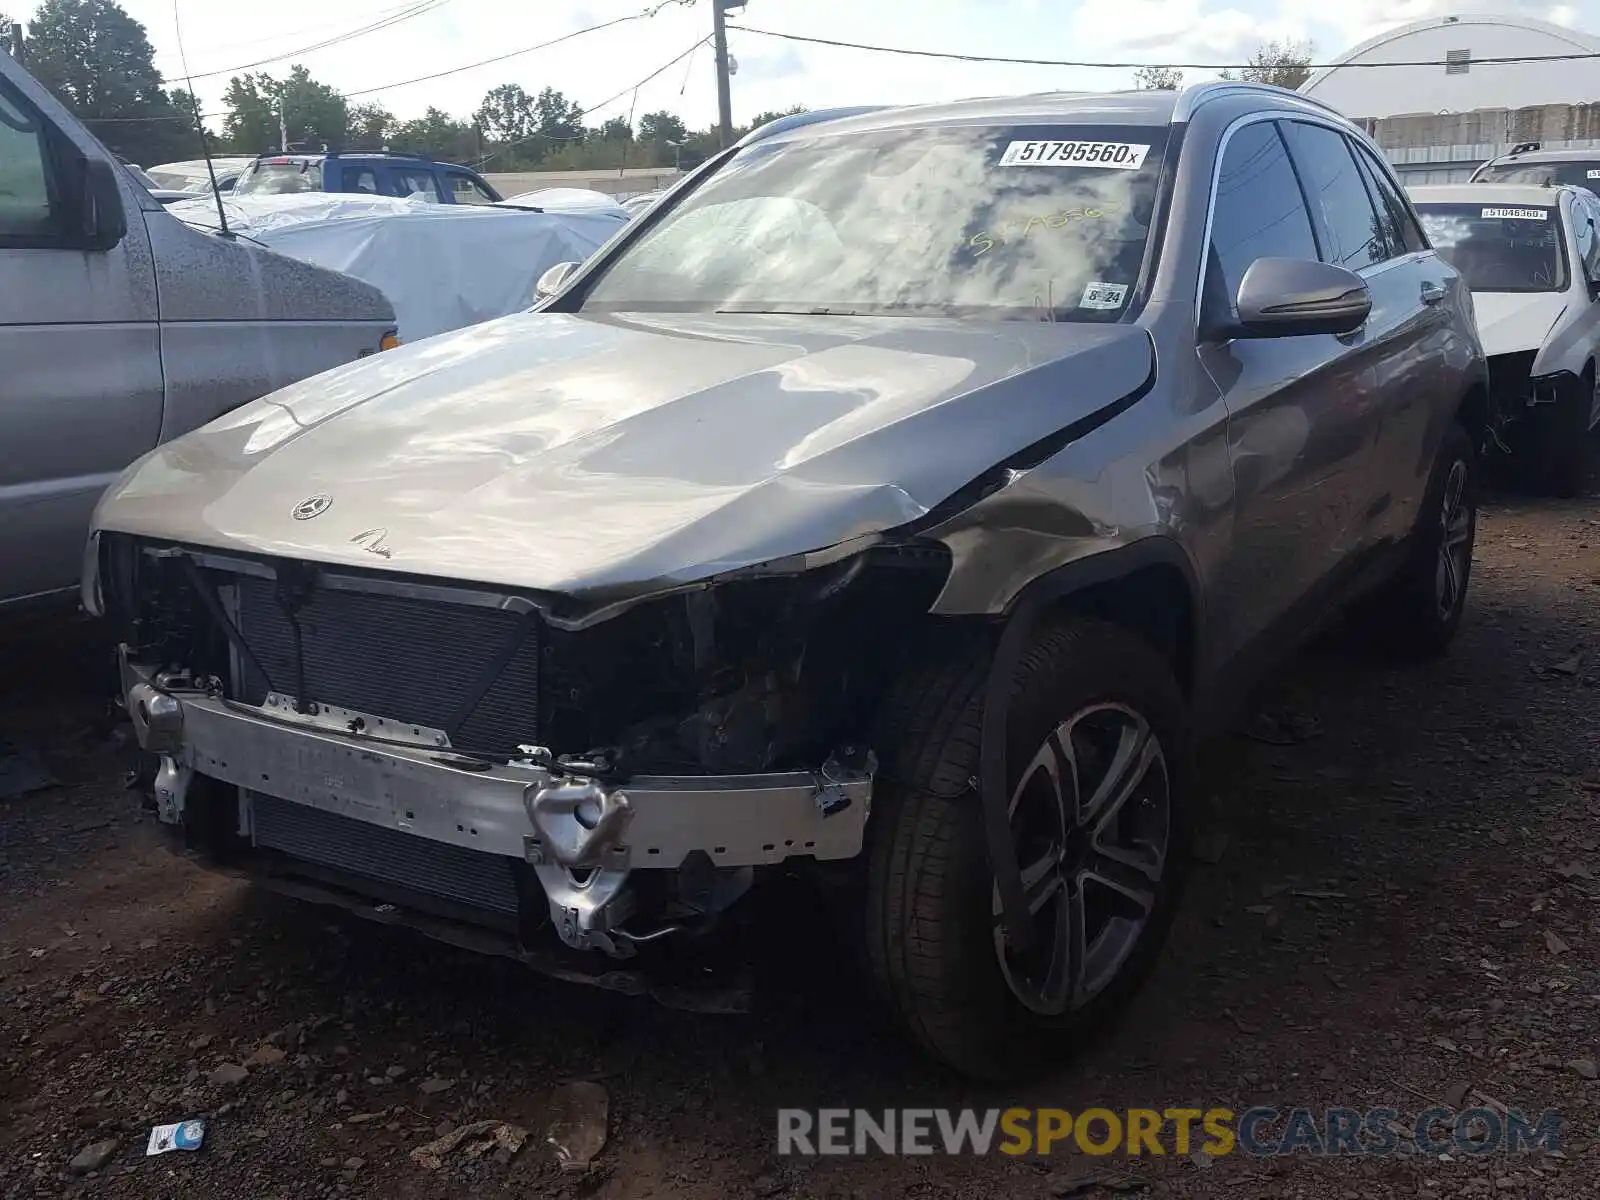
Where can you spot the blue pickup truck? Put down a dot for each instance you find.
(371, 173)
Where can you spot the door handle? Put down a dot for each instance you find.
(1432, 292)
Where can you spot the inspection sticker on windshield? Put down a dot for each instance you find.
(1102, 295)
(1121, 156)
(1515, 214)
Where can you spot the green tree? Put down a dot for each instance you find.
(615, 129)
(558, 118)
(658, 127)
(99, 62)
(508, 113)
(314, 114)
(1285, 64)
(436, 134)
(1158, 79)
(368, 127)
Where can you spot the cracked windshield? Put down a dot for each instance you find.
(1026, 223)
(1497, 247)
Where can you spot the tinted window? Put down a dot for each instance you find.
(1023, 223)
(418, 179)
(1401, 230)
(1498, 247)
(1352, 234)
(361, 179)
(1257, 212)
(468, 190)
(25, 210)
(1586, 217)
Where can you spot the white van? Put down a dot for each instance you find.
(122, 327)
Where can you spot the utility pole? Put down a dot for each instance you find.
(719, 30)
(283, 124)
(18, 50)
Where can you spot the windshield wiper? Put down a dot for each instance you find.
(789, 312)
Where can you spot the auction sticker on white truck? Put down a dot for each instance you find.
(1516, 214)
(1120, 156)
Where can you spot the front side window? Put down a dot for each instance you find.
(280, 177)
(467, 190)
(413, 181)
(25, 210)
(1352, 233)
(1257, 212)
(1500, 247)
(1023, 223)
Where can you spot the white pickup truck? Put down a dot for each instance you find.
(122, 327)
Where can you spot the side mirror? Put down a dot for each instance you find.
(551, 281)
(1290, 297)
(104, 220)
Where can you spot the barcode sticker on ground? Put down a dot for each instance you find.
(1120, 156)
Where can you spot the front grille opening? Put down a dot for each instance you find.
(421, 662)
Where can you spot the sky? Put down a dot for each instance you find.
(220, 35)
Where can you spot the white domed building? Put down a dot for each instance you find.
(1444, 106)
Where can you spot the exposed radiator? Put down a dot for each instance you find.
(415, 661)
(356, 848)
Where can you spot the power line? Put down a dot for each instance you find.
(405, 14)
(566, 37)
(281, 35)
(609, 100)
(1128, 66)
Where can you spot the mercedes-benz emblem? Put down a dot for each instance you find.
(312, 506)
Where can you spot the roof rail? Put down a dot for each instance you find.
(1195, 95)
(800, 120)
(1523, 147)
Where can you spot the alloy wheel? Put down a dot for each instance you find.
(1091, 818)
(1455, 521)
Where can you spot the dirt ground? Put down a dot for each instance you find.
(1400, 911)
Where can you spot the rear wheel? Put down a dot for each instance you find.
(1096, 755)
(1418, 615)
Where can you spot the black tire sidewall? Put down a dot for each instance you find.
(987, 1031)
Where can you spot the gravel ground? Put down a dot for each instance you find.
(1396, 908)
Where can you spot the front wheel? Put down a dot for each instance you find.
(1560, 441)
(1096, 758)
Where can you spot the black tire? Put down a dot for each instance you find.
(930, 928)
(1410, 615)
(1559, 439)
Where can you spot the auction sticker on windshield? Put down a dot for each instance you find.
(1103, 295)
(1121, 156)
(1515, 214)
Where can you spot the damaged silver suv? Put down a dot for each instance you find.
(899, 498)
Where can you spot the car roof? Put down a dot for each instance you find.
(1533, 194)
(1149, 107)
(1550, 156)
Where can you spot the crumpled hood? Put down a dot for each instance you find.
(1513, 321)
(600, 455)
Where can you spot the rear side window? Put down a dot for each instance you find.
(361, 179)
(1349, 228)
(26, 214)
(1257, 212)
(417, 179)
(1403, 234)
